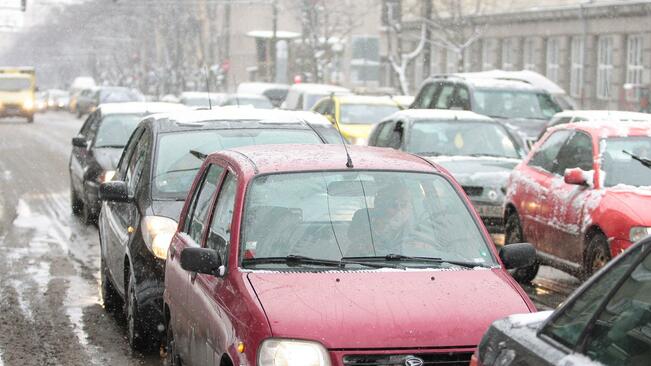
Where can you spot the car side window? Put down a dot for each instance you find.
(200, 206)
(546, 155)
(127, 153)
(461, 98)
(384, 133)
(320, 107)
(220, 228)
(445, 97)
(576, 153)
(86, 127)
(137, 162)
(424, 99)
(621, 332)
(571, 322)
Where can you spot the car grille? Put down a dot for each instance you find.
(448, 359)
(473, 191)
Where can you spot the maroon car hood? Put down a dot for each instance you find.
(386, 309)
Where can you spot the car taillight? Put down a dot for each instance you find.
(474, 360)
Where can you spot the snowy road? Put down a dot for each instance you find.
(50, 313)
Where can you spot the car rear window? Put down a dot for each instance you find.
(501, 103)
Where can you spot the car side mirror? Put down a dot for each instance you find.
(115, 191)
(518, 255)
(202, 260)
(79, 141)
(575, 176)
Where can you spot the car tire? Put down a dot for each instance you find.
(75, 203)
(139, 336)
(513, 234)
(172, 357)
(79, 114)
(597, 255)
(86, 214)
(110, 297)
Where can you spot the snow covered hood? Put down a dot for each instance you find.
(477, 171)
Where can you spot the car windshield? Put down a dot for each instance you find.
(331, 215)
(176, 166)
(14, 84)
(620, 167)
(115, 129)
(365, 114)
(119, 95)
(500, 103)
(460, 138)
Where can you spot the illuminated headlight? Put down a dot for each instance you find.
(359, 140)
(639, 232)
(106, 176)
(157, 232)
(28, 103)
(285, 352)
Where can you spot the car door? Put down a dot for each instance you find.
(208, 311)
(176, 277)
(533, 185)
(564, 226)
(80, 155)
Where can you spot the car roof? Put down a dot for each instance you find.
(487, 82)
(607, 128)
(365, 99)
(531, 77)
(309, 87)
(605, 115)
(438, 114)
(140, 108)
(293, 157)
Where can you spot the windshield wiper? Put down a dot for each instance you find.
(405, 258)
(110, 146)
(297, 260)
(644, 161)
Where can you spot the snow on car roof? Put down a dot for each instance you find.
(535, 79)
(438, 114)
(234, 113)
(605, 115)
(140, 108)
(606, 128)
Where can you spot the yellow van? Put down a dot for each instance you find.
(356, 115)
(17, 88)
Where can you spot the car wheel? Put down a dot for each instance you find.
(138, 335)
(79, 114)
(513, 234)
(172, 357)
(86, 214)
(75, 203)
(110, 296)
(597, 255)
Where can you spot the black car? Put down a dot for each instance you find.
(606, 321)
(478, 151)
(91, 98)
(514, 103)
(142, 203)
(97, 148)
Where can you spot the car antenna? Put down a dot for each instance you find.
(208, 86)
(349, 161)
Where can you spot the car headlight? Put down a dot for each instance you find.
(157, 232)
(106, 176)
(28, 103)
(639, 232)
(286, 352)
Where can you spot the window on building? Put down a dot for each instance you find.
(365, 61)
(528, 54)
(553, 57)
(604, 67)
(508, 54)
(486, 59)
(576, 67)
(634, 65)
(451, 61)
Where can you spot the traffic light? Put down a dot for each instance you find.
(23, 5)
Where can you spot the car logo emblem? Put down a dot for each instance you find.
(413, 361)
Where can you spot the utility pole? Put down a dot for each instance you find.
(272, 51)
(427, 50)
(227, 37)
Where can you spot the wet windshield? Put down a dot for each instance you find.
(514, 104)
(330, 215)
(621, 168)
(365, 113)
(14, 84)
(176, 166)
(460, 138)
(115, 129)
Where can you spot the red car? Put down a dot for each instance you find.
(287, 255)
(581, 196)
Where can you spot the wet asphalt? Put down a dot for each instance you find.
(50, 311)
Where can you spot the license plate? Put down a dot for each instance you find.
(489, 211)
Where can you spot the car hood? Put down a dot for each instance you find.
(386, 308)
(637, 201)
(107, 157)
(477, 171)
(171, 209)
(528, 128)
(355, 130)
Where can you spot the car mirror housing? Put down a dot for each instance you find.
(517, 255)
(575, 176)
(115, 191)
(79, 141)
(201, 260)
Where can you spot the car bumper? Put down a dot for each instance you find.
(12, 110)
(491, 215)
